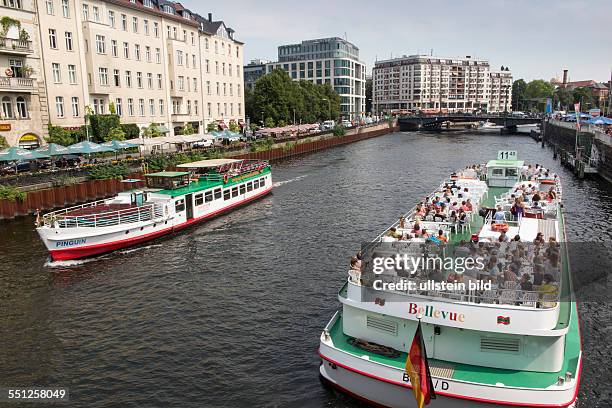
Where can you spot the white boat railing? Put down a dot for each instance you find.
(63, 218)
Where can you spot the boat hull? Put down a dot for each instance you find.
(101, 242)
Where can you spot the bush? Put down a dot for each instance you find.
(109, 171)
(115, 134)
(102, 124)
(60, 136)
(234, 127)
(212, 127)
(339, 130)
(269, 122)
(262, 145)
(65, 180)
(188, 130)
(131, 130)
(12, 193)
(151, 131)
(3, 143)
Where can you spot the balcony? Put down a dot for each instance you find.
(181, 117)
(15, 46)
(9, 84)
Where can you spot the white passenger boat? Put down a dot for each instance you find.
(489, 127)
(171, 201)
(513, 344)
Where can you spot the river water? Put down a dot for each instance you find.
(228, 313)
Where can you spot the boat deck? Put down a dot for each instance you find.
(98, 209)
(471, 373)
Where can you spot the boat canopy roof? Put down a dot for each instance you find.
(168, 174)
(505, 163)
(208, 163)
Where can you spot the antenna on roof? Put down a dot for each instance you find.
(431, 52)
(345, 37)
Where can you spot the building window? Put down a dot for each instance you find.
(158, 55)
(68, 37)
(207, 66)
(159, 81)
(72, 74)
(195, 107)
(130, 104)
(57, 75)
(217, 67)
(128, 79)
(114, 47)
(75, 106)
(111, 18)
(152, 107)
(193, 61)
(116, 77)
(141, 106)
(208, 87)
(103, 76)
(126, 50)
(179, 57)
(161, 107)
(156, 29)
(137, 52)
(209, 109)
(22, 107)
(139, 79)
(96, 14)
(52, 38)
(85, 12)
(100, 44)
(59, 106)
(118, 107)
(135, 24)
(49, 4)
(7, 107)
(124, 22)
(206, 43)
(148, 53)
(65, 9)
(192, 38)
(150, 80)
(195, 84)
(145, 25)
(239, 109)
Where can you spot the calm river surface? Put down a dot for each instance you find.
(229, 313)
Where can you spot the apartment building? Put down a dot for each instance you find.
(332, 61)
(150, 61)
(253, 71)
(23, 116)
(422, 82)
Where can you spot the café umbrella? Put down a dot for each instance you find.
(87, 147)
(15, 154)
(53, 149)
(119, 144)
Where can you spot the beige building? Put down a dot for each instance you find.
(422, 82)
(152, 61)
(23, 116)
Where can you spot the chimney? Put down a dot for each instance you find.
(210, 17)
(565, 77)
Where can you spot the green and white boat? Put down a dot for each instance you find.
(171, 201)
(508, 345)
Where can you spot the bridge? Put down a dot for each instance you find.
(433, 122)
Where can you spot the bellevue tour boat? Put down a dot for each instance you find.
(171, 201)
(516, 343)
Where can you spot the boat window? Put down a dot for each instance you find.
(198, 199)
(208, 196)
(179, 205)
(250, 186)
(217, 193)
(262, 181)
(226, 194)
(242, 189)
(498, 172)
(256, 184)
(511, 172)
(234, 192)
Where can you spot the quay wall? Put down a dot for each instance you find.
(50, 198)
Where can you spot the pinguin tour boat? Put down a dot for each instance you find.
(172, 200)
(515, 343)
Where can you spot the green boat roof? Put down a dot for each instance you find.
(168, 174)
(505, 163)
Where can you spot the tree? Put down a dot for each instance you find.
(188, 130)
(518, 94)
(565, 97)
(585, 97)
(60, 136)
(111, 108)
(131, 130)
(115, 133)
(102, 124)
(537, 91)
(151, 131)
(234, 127)
(3, 143)
(269, 122)
(212, 127)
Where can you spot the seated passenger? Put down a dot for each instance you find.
(500, 216)
(539, 239)
(441, 236)
(469, 205)
(526, 283)
(503, 237)
(393, 233)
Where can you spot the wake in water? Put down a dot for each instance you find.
(280, 183)
(77, 262)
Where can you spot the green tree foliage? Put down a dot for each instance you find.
(11, 193)
(102, 124)
(151, 131)
(539, 89)
(131, 130)
(339, 130)
(3, 143)
(565, 97)
(585, 97)
(115, 133)
(110, 171)
(269, 122)
(60, 136)
(234, 127)
(518, 94)
(111, 108)
(188, 130)
(212, 127)
(278, 98)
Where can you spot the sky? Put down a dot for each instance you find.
(537, 39)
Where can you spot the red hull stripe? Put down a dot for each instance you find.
(97, 249)
(487, 401)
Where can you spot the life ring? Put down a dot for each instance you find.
(499, 227)
(225, 178)
(9, 72)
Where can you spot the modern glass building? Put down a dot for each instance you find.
(332, 61)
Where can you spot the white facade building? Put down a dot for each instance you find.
(331, 61)
(421, 82)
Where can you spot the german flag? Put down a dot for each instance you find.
(417, 369)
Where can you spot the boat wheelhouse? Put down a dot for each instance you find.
(171, 201)
(514, 342)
